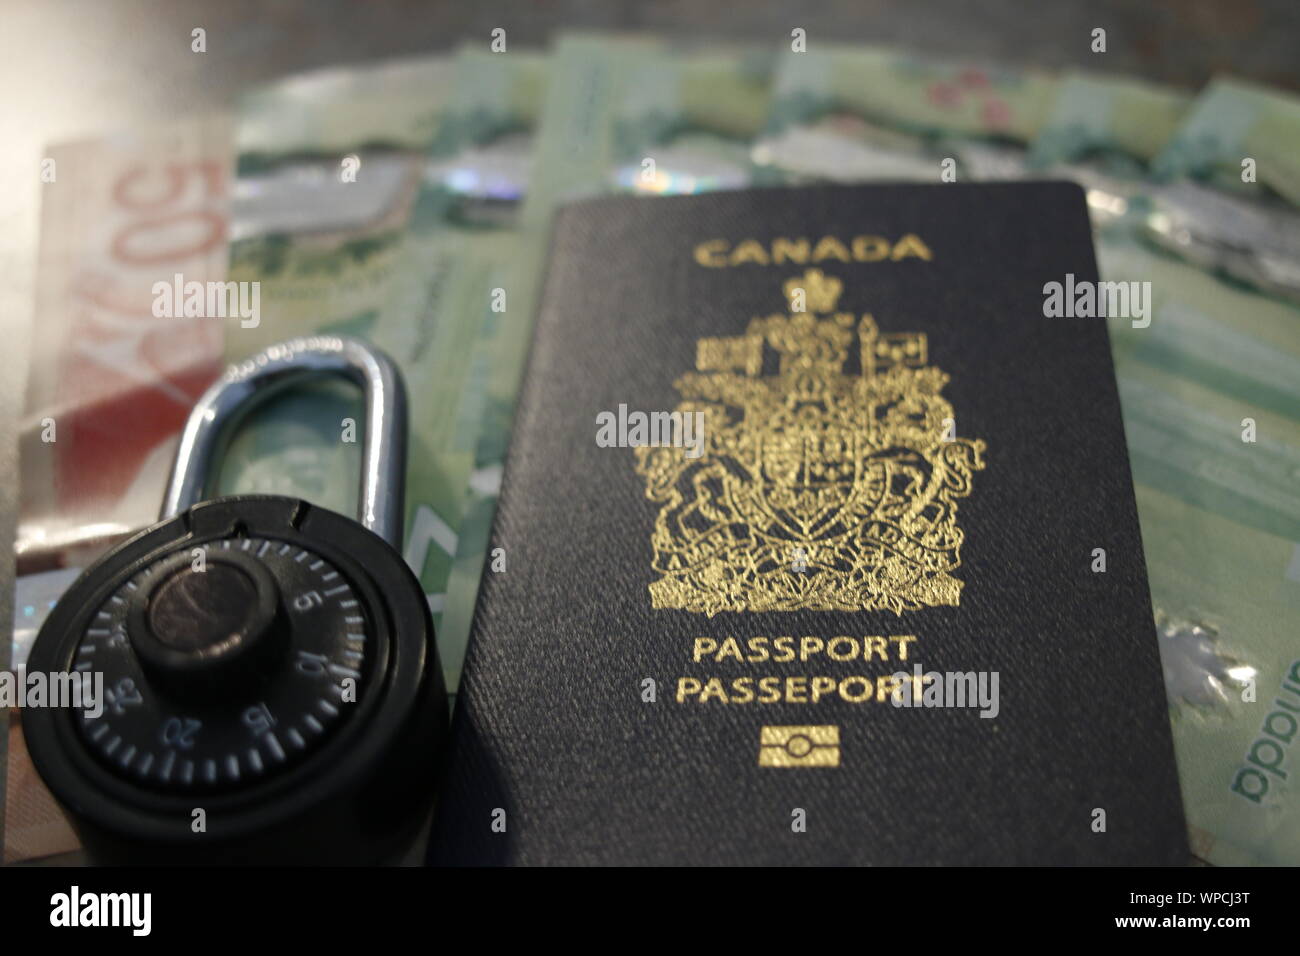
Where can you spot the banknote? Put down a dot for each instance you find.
(120, 213)
(1120, 122)
(657, 119)
(421, 290)
(452, 300)
(1254, 240)
(842, 113)
(328, 170)
(1235, 127)
(1119, 138)
(849, 114)
(1131, 144)
(570, 156)
(686, 119)
(1211, 403)
(1227, 197)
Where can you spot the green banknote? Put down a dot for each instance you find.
(1228, 198)
(1120, 137)
(1211, 401)
(685, 122)
(843, 113)
(654, 119)
(328, 170)
(853, 114)
(1235, 127)
(1120, 122)
(449, 300)
(410, 268)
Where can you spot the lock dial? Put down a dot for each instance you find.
(223, 663)
(264, 660)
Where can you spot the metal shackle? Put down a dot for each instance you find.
(247, 384)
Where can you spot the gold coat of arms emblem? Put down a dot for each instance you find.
(821, 486)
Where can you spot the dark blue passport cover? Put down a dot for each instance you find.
(692, 659)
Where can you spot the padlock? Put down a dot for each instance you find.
(271, 685)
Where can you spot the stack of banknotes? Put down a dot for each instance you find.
(409, 203)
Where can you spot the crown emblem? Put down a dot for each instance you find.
(819, 293)
(830, 484)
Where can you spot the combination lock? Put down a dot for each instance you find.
(271, 686)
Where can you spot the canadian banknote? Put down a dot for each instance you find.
(1140, 148)
(121, 213)
(452, 296)
(656, 119)
(415, 274)
(845, 113)
(1234, 125)
(1211, 401)
(111, 379)
(330, 166)
(848, 113)
(1211, 396)
(1134, 145)
(1229, 196)
(1122, 122)
(328, 170)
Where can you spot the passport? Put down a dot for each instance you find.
(816, 545)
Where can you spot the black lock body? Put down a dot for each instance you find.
(272, 692)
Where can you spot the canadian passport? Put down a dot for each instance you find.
(816, 544)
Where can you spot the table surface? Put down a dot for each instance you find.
(71, 70)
